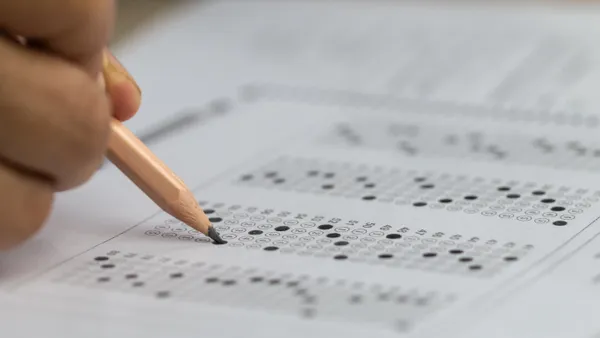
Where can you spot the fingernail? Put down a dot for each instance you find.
(116, 73)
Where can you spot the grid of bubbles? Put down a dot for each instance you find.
(508, 200)
(433, 140)
(310, 297)
(350, 241)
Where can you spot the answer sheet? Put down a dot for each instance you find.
(377, 169)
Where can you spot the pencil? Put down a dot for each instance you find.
(131, 156)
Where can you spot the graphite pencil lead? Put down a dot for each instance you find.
(214, 235)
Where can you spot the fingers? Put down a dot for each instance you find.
(25, 203)
(75, 29)
(124, 92)
(54, 118)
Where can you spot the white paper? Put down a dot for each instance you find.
(377, 169)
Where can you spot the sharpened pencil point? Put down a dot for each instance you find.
(214, 235)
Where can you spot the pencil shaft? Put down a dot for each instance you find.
(141, 166)
(153, 177)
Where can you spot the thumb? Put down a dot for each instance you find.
(124, 92)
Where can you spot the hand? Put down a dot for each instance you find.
(54, 114)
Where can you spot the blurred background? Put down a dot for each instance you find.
(132, 14)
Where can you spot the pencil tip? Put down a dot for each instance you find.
(214, 235)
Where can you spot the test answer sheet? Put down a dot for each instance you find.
(377, 169)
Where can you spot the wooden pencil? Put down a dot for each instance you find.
(131, 156)
(156, 180)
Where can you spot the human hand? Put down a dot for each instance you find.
(54, 114)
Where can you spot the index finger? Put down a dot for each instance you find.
(78, 30)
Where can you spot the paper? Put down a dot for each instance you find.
(386, 170)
